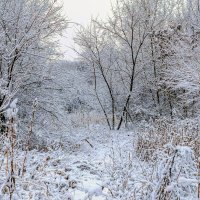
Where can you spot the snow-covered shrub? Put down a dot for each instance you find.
(86, 119)
(156, 135)
(171, 175)
(9, 140)
(45, 177)
(175, 175)
(26, 174)
(120, 168)
(162, 164)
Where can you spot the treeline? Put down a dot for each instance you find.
(144, 60)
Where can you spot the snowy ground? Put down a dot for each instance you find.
(76, 171)
(94, 163)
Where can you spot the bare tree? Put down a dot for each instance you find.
(28, 30)
(129, 27)
(97, 51)
(145, 39)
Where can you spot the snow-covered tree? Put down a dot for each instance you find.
(28, 42)
(145, 51)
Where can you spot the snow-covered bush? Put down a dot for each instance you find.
(8, 142)
(119, 167)
(172, 174)
(161, 164)
(175, 174)
(154, 136)
(23, 173)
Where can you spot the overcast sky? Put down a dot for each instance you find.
(80, 11)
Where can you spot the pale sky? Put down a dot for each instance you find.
(80, 11)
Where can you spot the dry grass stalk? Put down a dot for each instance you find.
(30, 133)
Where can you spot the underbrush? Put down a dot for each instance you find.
(85, 119)
(26, 173)
(154, 136)
(43, 176)
(158, 162)
(163, 164)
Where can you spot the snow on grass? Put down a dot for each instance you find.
(73, 172)
(97, 164)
